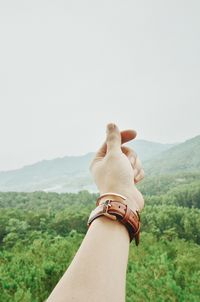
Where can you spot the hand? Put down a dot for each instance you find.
(117, 168)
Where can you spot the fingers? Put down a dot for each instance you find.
(132, 156)
(139, 176)
(135, 163)
(102, 151)
(113, 139)
(126, 135)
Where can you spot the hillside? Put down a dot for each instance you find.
(71, 173)
(48, 175)
(148, 150)
(67, 174)
(41, 232)
(182, 158)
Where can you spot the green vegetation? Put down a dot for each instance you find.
(181, 158)
(177, 189)
(40, 233)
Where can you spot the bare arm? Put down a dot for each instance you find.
(98, 270)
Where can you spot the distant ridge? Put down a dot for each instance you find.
(148, 150)
(71, 173)
(46, 174)
(184, 157)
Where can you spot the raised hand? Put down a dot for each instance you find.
(117, 168)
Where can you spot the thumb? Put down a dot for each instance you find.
(113, 139)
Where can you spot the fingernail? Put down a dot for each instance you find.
(111, 126)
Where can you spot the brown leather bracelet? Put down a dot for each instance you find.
(116, 210)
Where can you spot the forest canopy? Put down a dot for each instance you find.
(41, 232)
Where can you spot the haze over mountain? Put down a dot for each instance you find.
(182, 158)
(71, 173)
(147, 150)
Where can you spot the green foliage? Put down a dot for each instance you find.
(181, 158)
(175, 221)
(162, 184)
(163, 270)
(41, 232)
(179, 190)
(31, 271)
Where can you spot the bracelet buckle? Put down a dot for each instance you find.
(106, 206)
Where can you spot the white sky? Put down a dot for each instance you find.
(67, 67)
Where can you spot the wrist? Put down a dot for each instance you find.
(111, 196)
(118, 210)
(134, 198)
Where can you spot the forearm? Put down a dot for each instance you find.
(98, 270)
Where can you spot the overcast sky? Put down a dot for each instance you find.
(68, 67)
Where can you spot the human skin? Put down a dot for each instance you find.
(98, 270)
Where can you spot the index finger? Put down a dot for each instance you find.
(128, 135)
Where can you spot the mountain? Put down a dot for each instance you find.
(182, 158)
(71, 173)
(67, 174)
(49, 175)
(148, 150)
